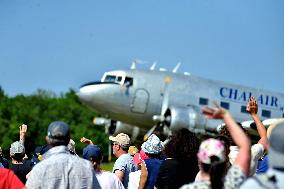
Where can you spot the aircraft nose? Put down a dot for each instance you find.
(91, 94)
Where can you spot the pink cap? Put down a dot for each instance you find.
(137, 159)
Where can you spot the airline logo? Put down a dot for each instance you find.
(243, 96)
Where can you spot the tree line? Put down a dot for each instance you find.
(38, 111)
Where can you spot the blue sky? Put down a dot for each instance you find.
(61, 44)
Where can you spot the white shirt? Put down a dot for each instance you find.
(109, 180)
(256, 153)
(134, 179)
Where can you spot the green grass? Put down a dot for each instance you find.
(107, 166)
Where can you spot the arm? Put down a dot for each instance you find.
(119, 174)
(23, 132)
(143, 177)
(252, 108)
(239, 137)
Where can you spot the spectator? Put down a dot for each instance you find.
(263, 166)
(20, 168)
(212, 160)
(150, 166)
(257, 150)
(181, 165)
(8, 180)
(124, 164)
(134, 177)
(60, 169)
(3, 160)
(106, 179)
(274, 177)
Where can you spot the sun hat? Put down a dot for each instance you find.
(122, 139)
(276, 147)
(17, 148)
(153, 145)
(209, 148)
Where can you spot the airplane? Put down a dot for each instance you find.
(139, 102)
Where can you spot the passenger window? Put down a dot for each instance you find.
(225, 105)
(203, 101)
(244, 109)
(266, 113)
(128, 81)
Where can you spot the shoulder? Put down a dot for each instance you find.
(234, 177)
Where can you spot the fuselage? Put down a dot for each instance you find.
(134, 96)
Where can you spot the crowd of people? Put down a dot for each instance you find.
(229, 160)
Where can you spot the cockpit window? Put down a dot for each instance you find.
(128, 81)
(110, 78)
(119, 78)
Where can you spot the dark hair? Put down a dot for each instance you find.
(216, 170)
(58, 142)
(96, 161)
(183, 145)
(224, 131)
(18, 156)
(125, 147)
(226, 142)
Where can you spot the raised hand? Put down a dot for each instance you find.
(23, 132)
(214, 113)
(252, 106)
(86, 141)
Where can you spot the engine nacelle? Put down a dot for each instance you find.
(190, 118)
(113, 127)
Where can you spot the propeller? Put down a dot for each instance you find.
(161, 119)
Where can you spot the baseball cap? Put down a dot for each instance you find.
(276, 149)
(17, 148)
(92, 151)
(209, 148)
(58, 130)
(121, 139)
(153, 145)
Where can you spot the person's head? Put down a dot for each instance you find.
(224, 131)
(121, 143)
(93, 153)
(17, 151)
(212, 161)
(276, 147)
(182, 145)
(58, 133)
(152, 146)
